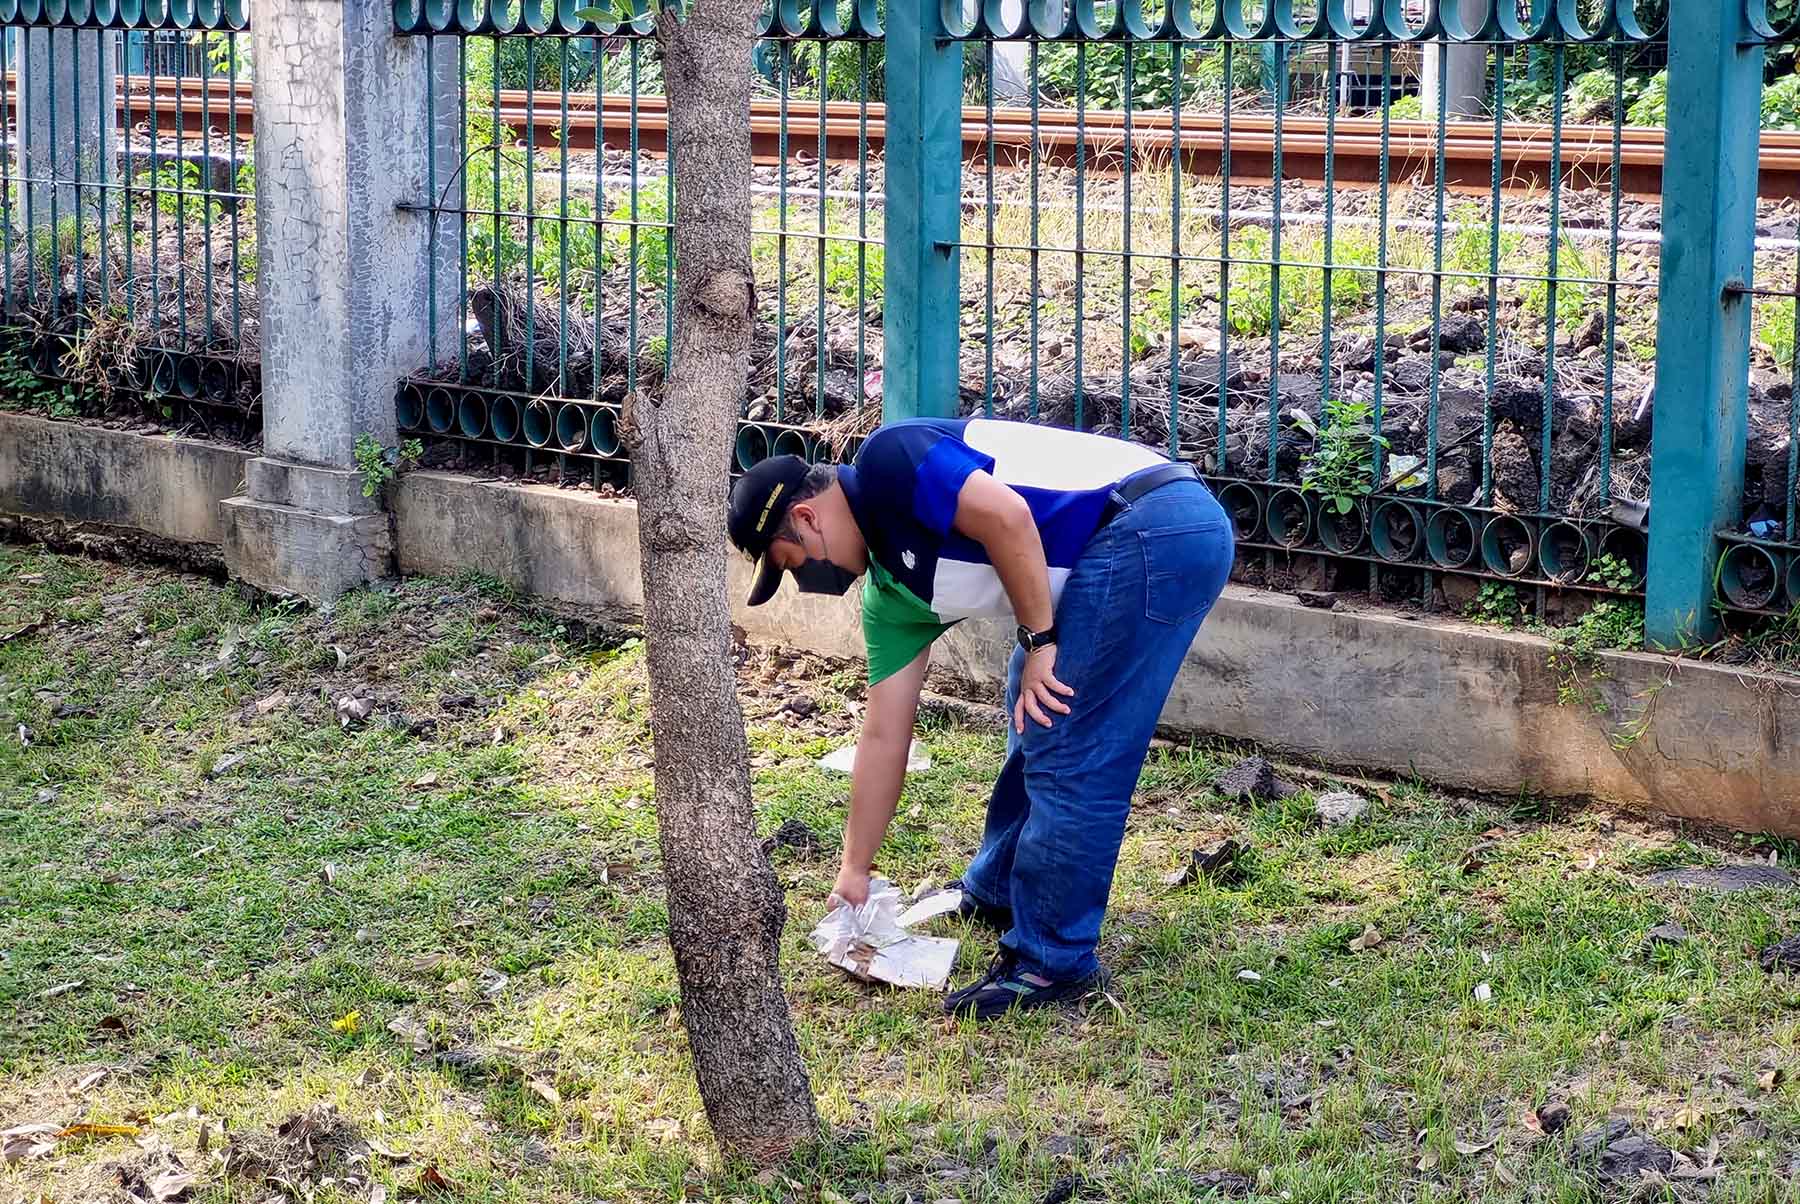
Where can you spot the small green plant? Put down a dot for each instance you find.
(1612, 572)
(1407, 108)
(1775, 330)
(1341, 466)
(1652, 105)
(1162, 313)
(380, 465)
(1575, 649)
(1495, 605)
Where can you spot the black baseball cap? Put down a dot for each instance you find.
(759, 503)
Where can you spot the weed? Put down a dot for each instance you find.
(380, 465)
(1575, 649)
(1340, 468)
(1496, 605)
(1612, 572)
(1775, 330)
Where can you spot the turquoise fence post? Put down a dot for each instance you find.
(1703, 320)
(923, 219)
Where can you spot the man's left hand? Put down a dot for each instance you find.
(1038, 690)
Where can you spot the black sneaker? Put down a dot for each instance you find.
(998, 918)
(1005, 987)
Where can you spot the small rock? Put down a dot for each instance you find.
(1553, 1117)
(1219, 862)
(1340, 808)
(1666, 934)
(1724, 877)
(1063, 1145)
(1619, 1154)
(801, 705)
(47, 795)
(1064, 1190)
(1318, 599)
(1228, 1185)
(1784, 954)
(1250, 779)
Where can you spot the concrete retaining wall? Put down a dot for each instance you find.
(148, 485)
(1460, 705)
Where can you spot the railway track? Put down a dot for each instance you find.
(1100, 139)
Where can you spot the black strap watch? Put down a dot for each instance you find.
(1031, 640)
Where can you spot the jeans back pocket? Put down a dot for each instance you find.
(1181, 579)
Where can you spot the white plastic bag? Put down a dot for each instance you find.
(873, 943)
(843, 760)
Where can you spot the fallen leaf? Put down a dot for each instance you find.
(545, 1092)
(170, 1183)
(378, 1194)
(412, 1032)
(27, 1141)
(1249, 976)
(89, 1081)
(112, 1026)
(225, 765)
(36, 624)
(1466, 1148)
(277, 699)
(328, 872)
(433, 1179)
(348, 1023)
(93, 1130)
(1687, 1118)
(424, 781)
(1429, 1162)
(1768, 1080)
(63, 989)
(1370, 938)
(1505, 1174)
(1532, 1123)
(389, 1152)
(354, 710)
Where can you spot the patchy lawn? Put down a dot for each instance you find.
(222, 906)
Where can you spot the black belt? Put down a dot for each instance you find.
(1145, 481)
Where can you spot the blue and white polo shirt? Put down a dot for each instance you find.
(923, 575)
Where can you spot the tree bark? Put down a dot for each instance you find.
(726, 909)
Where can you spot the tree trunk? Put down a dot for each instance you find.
(726, 909)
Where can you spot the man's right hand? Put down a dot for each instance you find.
(852, 887)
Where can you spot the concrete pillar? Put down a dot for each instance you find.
(69, 121)
(1461, 67)
(344, 151)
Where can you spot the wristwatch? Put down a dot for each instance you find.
(1031, 640)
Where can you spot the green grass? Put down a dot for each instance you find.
(479, 859)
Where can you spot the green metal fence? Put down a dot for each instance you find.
(562, 213)
(127, 223)
(1409, 281)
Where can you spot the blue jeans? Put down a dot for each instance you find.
(1127, 616)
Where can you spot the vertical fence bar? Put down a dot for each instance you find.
(923, 220)
(1703, 321)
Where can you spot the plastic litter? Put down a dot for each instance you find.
(918, 760)
(873, 943)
